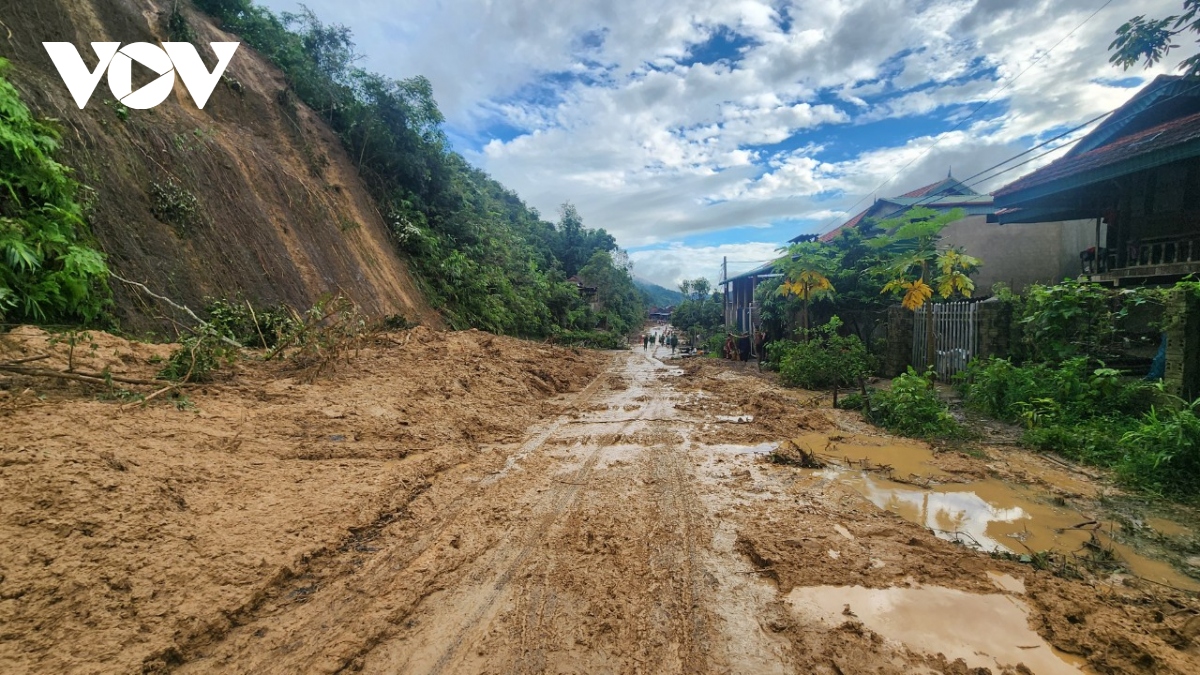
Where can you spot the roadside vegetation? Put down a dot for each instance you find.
(1062, 380)
(485, 259)
(49, 270)
(701, 315)
(1058, 386)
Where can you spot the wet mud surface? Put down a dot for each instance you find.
(499, 506)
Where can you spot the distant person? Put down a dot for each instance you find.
(674, 343)
(645, 341)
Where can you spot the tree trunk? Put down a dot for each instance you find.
(804, 319)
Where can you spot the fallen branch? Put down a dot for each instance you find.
(185, 310)
(29, 359)
(258, 328)
(151, 397)
(97, 378)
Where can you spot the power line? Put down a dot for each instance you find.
(981, 181)
(974, 112)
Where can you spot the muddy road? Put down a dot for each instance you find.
(618, 517)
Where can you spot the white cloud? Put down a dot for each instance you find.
(655, 148)
(667, 267)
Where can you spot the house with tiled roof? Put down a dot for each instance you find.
(1016, 256)
(944, 195)
(1136, 178)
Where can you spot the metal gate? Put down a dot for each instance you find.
(956, 333)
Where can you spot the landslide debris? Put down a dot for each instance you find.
(135, 533)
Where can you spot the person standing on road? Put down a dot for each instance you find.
(645, 341)
(674, 343)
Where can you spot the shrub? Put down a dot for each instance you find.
(1162, 453)
(854, 401)
(196, 359)
(47, 270)
(263, 327)
(1095, 441)
(912, 407)
(1036, 394)
(173, 204)
(591, 339)
(715, 345)
(825, 359)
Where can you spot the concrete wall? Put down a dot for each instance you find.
(1182, 376)
(1022, 254)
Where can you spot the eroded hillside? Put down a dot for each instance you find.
(251, 196)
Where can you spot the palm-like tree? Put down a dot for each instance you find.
(919, 267)
(804, 276)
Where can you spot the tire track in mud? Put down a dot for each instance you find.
(667, 631)
(299, 580)
(330, 564)
(565, 497)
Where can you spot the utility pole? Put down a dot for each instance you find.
(725, 287)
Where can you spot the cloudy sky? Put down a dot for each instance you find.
(696, 129)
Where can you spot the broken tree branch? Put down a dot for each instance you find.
(28, 359)
(182, 308)
(95, 378)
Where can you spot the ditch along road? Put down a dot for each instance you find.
(634, 527)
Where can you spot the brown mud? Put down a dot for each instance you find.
(458, 502)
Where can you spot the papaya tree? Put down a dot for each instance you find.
(917, 268)
(805, 275)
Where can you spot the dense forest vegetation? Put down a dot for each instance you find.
(486, 259)
(657, 296)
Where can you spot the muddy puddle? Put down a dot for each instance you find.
(985, 631)
(991, 514)
(1169, 528)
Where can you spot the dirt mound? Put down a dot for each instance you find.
(252, 195)
(133, 533)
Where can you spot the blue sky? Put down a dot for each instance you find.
(700, 129)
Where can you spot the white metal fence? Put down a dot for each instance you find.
(956, 336)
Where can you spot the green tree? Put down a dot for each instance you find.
(804, 275)
(1151, 40)
(47, 271)
(618, 301)
(917, 267)
(701, 313)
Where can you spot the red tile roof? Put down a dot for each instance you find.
(853, 222)
(1161, 137)
(927, 190)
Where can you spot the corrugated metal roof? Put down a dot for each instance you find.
(853, 222)
(1165, 143)
(974, 204)
(766, 268)
(1162, 87)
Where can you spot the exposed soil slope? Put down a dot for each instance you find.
(279, 213)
